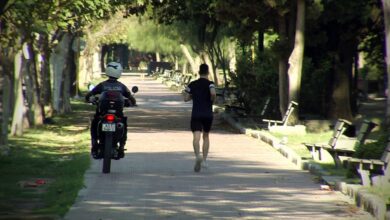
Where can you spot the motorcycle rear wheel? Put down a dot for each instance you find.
(107, 152)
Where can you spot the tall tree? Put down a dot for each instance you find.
(386, 12)
(296, 58)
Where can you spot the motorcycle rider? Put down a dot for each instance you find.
(114, 72)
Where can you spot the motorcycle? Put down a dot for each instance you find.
(111, 126)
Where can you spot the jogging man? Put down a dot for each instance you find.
(202, 93)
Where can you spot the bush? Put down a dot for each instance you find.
(373, 150)
(257, 81)
(315, 80)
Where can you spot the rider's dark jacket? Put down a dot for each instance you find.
(111, 84)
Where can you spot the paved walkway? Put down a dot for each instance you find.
(246, 179)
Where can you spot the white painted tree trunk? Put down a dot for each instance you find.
(190, 59)
(57, 64)
(96, 65)
(386, 10)
(18, 113)
(158, 58)
(212, 71)
(296, 58)
(232, 57)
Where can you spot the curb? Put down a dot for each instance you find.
(362, 198)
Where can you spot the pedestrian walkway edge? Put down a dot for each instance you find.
(362, 198)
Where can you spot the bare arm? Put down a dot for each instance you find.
(213, 93)
(186, 95)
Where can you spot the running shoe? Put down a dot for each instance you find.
(198, 164)
(205, 165)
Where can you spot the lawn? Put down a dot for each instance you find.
(383, 192)
(45, 167)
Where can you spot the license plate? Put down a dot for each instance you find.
(108, 127)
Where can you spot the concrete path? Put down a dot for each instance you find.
(246, 179)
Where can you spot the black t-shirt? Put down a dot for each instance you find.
(200, 92)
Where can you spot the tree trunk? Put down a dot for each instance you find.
(340, 106)
(189, 58)
(66, 82)
(232, 57)
(4, 109)
(260, 40)
(35, 110)
(61, 80)
(158, 59)
(283, 81)
(45, 79)
(296, 59)
(18, 113)
(212, 68)
(386, 10)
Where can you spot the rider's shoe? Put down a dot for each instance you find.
(121, 153)
(121, 150)
(95, 154)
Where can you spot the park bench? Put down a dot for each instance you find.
(233, 100)
(158, 68)
(285, 118)
(181, 81)
(373, 171)
(316, 149)
(341, 149)
(166, 75)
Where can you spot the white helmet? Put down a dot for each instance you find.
(114, 69)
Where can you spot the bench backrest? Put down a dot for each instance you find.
(290, 109)
(265, 107)
(339, 128)
(188, 80)
(364, 131)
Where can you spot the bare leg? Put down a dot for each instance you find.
(196, 144)
(206, 145)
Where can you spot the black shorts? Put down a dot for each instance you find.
(201, 124)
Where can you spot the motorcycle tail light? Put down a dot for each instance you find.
(110, 117)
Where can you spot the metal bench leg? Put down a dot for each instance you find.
(365, 176)
(319, 154)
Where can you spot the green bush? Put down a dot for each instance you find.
(257, 81)
(373, 150)
(315, 80)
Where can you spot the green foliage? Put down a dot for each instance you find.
(372, 150)
(314, 87)
(257, 81)
(147, 36)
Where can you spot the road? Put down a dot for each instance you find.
(246, 179)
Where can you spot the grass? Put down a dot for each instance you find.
(57, 153)
(383, 192)
(295, 141)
